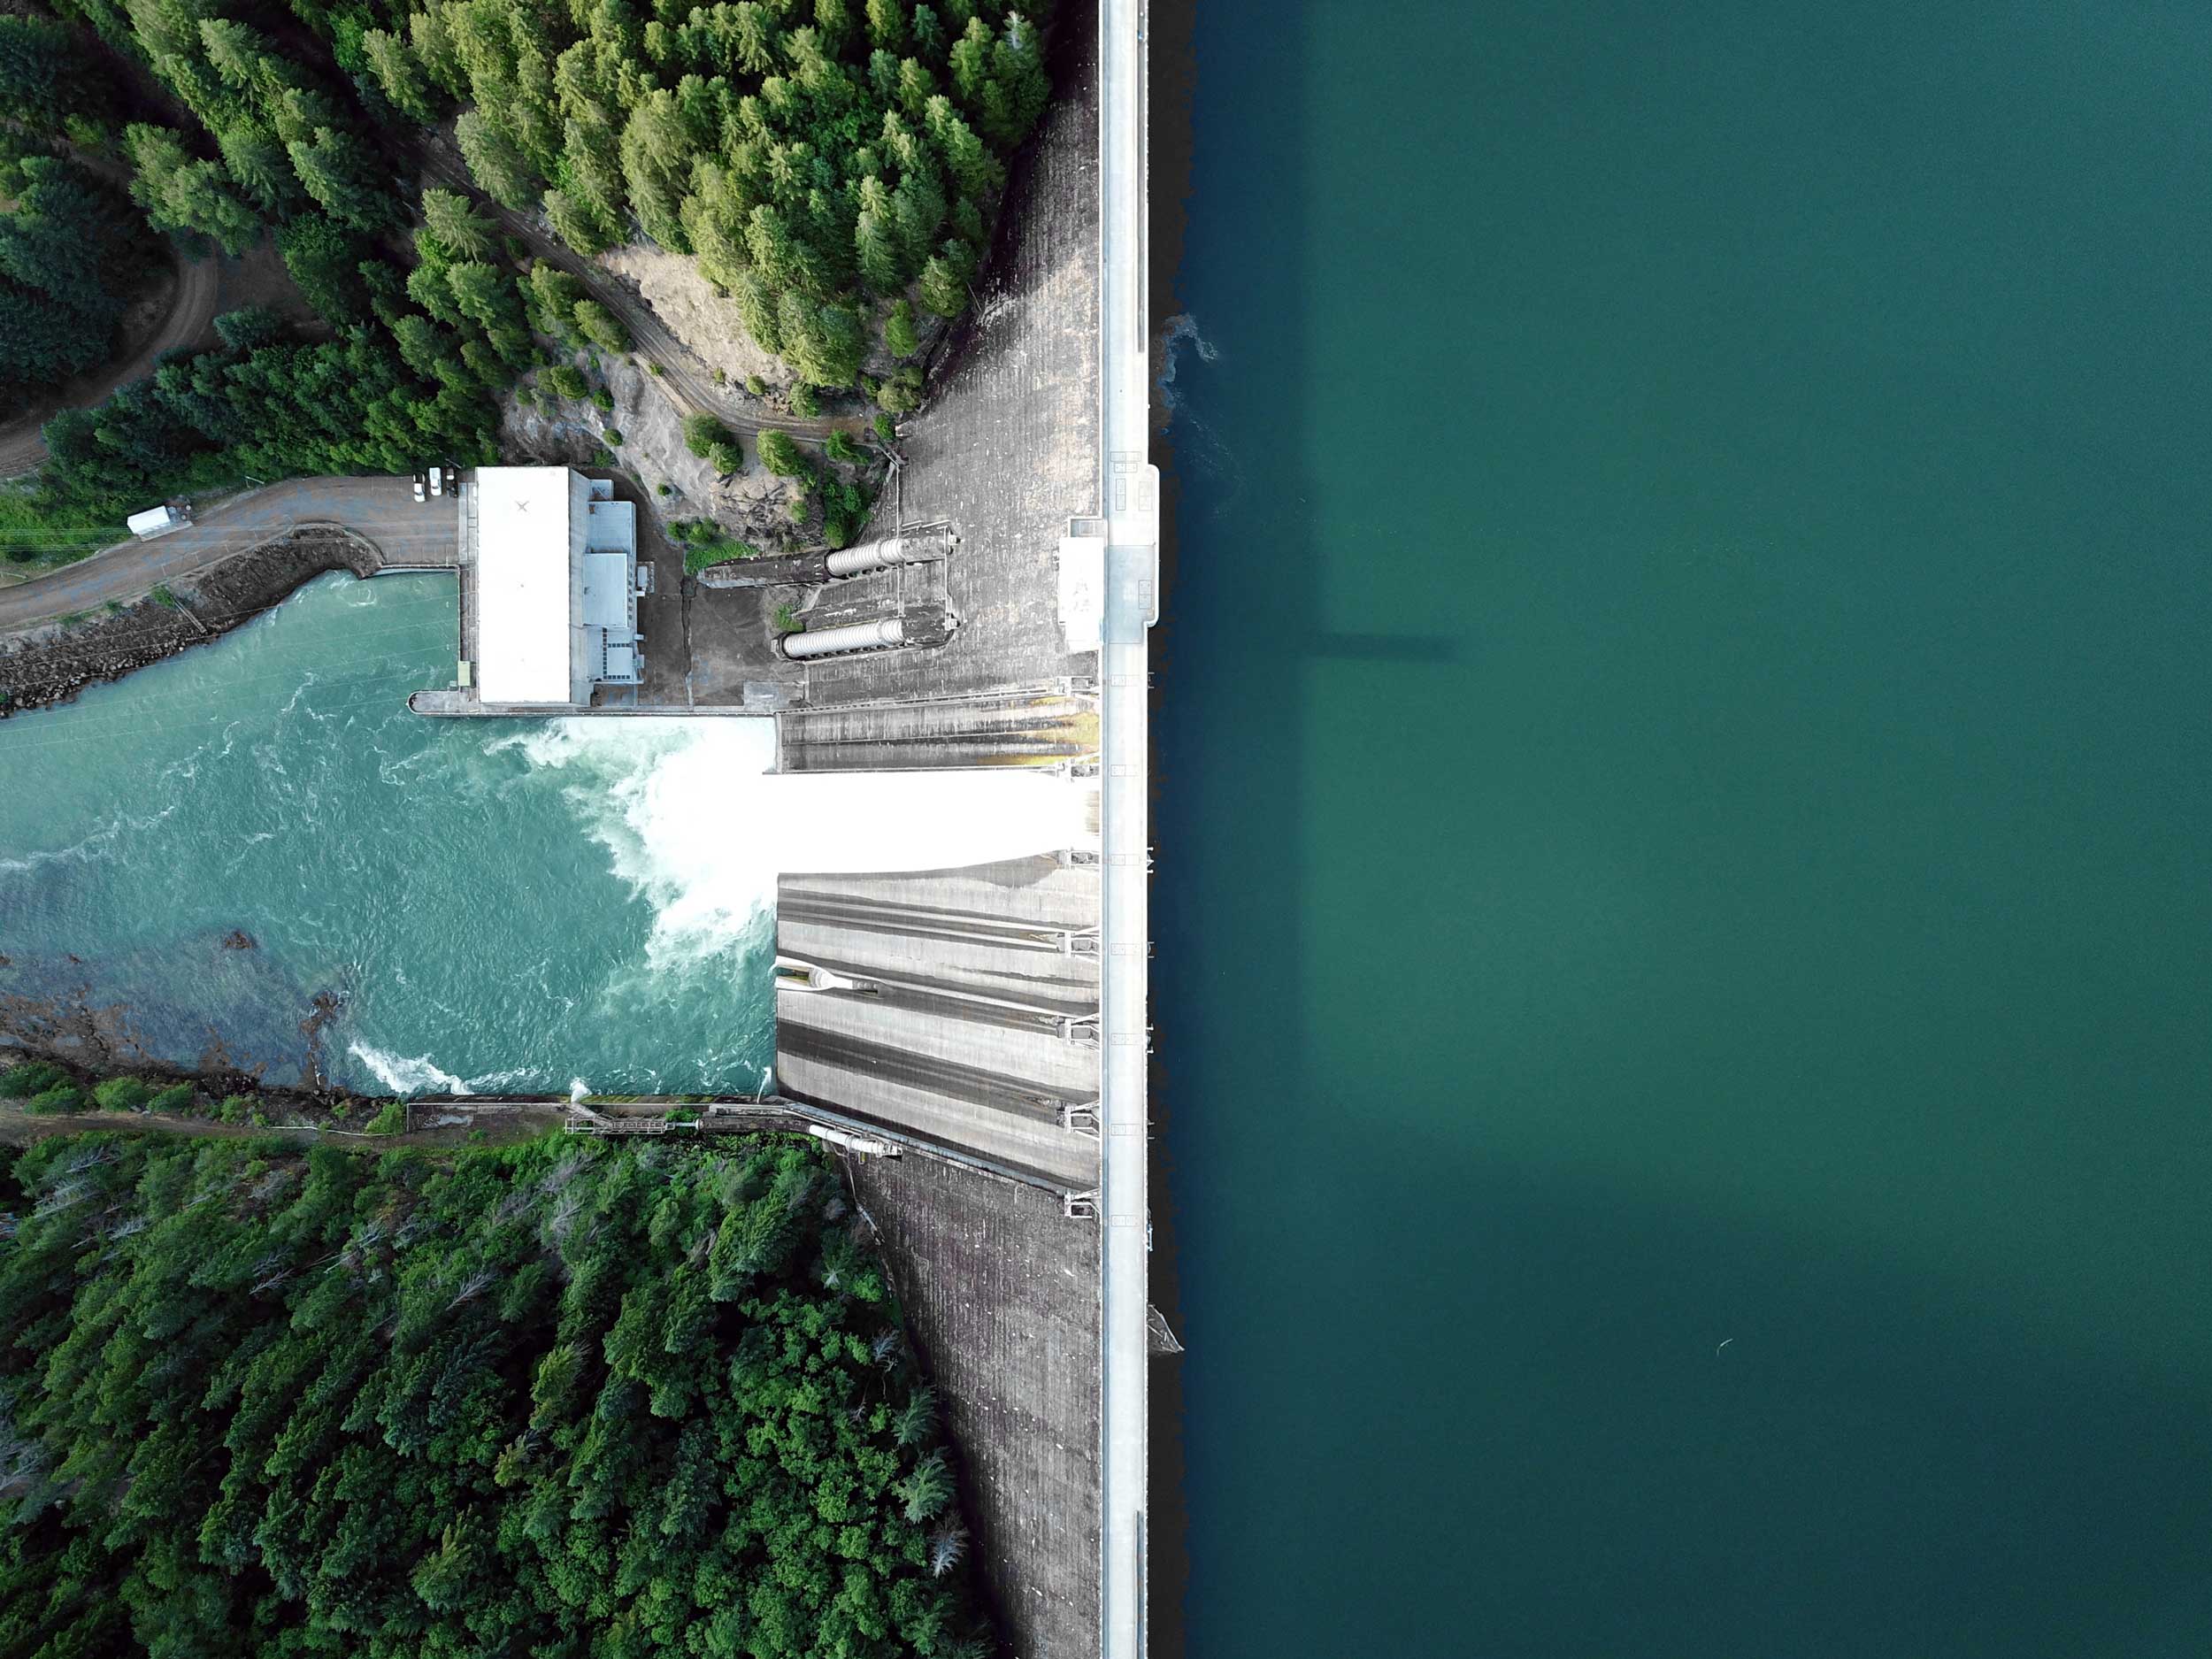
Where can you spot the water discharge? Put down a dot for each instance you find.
(693, 823)
(494, 906)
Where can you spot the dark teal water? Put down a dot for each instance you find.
(1685, 912)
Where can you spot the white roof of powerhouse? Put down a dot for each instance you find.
(523, 570)
(607, 591)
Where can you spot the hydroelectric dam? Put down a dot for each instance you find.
(973, 1036)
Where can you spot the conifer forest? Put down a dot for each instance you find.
(568, 1400)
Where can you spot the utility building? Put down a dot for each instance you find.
(554, 608)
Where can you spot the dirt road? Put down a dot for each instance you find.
(204, 289)
(688, 381)
(384, 510)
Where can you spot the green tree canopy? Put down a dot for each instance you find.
(556, 1399)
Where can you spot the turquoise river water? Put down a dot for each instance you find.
(496, 907)
(1684, 910)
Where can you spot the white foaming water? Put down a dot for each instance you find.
(419, 1075)
(693, 821)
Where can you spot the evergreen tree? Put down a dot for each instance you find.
(898, 329)
(600, 326)
(576, 222)
(453, 219)
(887, 23)
(42, 339)
(325, 260)
(46, 76)
(399, 74)
(239, 54)
(341, 173)
(552, 296)
(192, 198)
(781, 456)
(495, 161)
(259, 167)
(945, 279)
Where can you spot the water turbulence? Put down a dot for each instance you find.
(254, 855)
(694, 825)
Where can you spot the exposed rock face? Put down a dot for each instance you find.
(695, 313)
(752, 504)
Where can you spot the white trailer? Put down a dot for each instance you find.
(155, 521)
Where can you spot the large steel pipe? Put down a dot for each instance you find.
(853, 637)
(881, 554)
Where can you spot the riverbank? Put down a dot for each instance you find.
(51, 662)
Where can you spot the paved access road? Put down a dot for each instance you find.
(384, 510)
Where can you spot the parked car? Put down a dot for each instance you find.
(453, 478)
(418, 490)
(437, 480)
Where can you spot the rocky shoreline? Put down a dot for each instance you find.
(52, 662)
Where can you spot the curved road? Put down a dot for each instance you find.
(687, 380)
(384, 510)
(192, 307)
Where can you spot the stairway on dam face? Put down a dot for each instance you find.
(963, 1012)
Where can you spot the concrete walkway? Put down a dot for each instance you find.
(1130, 486)
(383, 509)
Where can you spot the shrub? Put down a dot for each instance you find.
(887, 429)
(32, 1077)
(390, 1119)
(567, 381)
(612, 437)
(754, 384)
(717, 549)
(55, 1102)
(162, 596)
(603, 399)
(123, 1094)
(787, 620)
(803, 401)
(663, 489)
(841, 448)
(178, 1098)
(234, 1110)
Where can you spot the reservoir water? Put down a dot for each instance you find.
(1684, 923)
(199, 853)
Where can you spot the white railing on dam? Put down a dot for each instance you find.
(1129, 496)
